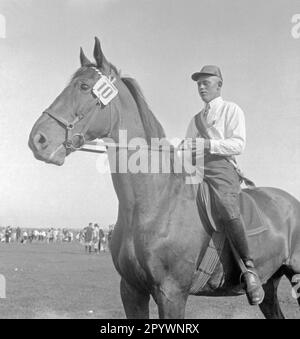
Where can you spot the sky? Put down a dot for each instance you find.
(160, 43)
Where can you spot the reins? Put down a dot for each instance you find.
(171, 149)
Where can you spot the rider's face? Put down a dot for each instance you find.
(209, 87)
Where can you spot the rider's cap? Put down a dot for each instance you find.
(208, 70)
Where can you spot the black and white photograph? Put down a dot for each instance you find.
(149, 161)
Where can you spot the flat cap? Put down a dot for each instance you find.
(207, 70)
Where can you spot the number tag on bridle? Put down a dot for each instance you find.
(105, 90)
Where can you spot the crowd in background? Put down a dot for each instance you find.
(95, 238)
(11, 234)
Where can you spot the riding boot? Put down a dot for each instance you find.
(255, 292)
(235, 231)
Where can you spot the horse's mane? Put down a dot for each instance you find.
(152, 126)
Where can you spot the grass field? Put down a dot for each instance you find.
(61, 281)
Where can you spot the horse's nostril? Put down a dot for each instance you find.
(40, 141)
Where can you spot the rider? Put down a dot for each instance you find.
(222, 126)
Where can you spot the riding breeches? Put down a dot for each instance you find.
(224, 183)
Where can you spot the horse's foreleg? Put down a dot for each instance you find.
(136, 304)
(171, 302)
(270, 306)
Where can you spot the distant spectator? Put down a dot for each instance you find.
(101, 240)
(25, 237)
(13, 236)
(18, 234)
(96, 238)
(30, 236)
(8, 232)
(110, 232)
(88, 238)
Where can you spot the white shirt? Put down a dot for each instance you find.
(227, 129)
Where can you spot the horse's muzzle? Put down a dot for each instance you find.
(42, 150)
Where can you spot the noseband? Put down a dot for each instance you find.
(69, 126)
(70, 141)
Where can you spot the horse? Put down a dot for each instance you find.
(159, 232)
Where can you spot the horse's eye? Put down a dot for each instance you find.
(84, 87)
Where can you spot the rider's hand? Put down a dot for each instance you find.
(196, 148)
(199, 146)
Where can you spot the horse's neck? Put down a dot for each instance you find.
(145, 192)
(127, 119)
(132, 189)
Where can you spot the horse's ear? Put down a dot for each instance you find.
(83, 59)
(98, 55)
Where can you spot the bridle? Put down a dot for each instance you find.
(75, 141)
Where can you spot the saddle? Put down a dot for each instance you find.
(251, 214)
(256, 223)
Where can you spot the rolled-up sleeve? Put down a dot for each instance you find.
(235, 139)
